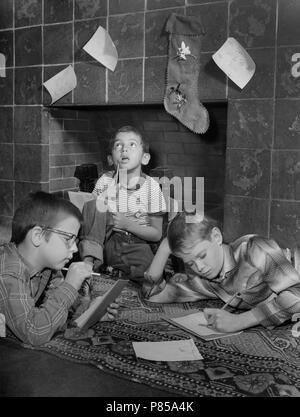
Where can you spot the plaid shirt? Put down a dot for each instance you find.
(254, 267)
(35, 305)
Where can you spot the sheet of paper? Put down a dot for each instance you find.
(2, 325)
(78, 198)
(197, 323)
(2, 65)
(235, 61)
(178, 350)
(61, 84)
(102, 48)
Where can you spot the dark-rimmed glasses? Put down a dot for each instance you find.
(69, 238)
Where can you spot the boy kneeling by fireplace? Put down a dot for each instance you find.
(125, 219)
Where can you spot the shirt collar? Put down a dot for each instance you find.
(31, 269)
(229, 263)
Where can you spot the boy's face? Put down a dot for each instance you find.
(206, 256)
(60, 246)
(128, 151)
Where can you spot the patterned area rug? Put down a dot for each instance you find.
(257, 362)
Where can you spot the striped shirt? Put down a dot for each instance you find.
(35, 305)
(136, 203)
(254, 267)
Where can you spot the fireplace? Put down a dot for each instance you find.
(79, 135)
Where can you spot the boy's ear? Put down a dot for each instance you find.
(36, 235)
(217, 236)
(146, 158)
(110, 160)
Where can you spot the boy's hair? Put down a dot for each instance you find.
(40, 209)
(132, 129)
(182, 233)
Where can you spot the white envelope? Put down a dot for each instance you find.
(61, 83)
(102, 48)
(235, 61)
(175, 350)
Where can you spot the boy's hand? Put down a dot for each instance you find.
(120, 221)
(77, 273)
(179, 277)
(152, 286)
(148, 285)
(222, 320)
(112, 312)
(89, 259)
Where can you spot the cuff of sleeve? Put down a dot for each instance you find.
(265, 317)
(69, 292)
(158, 213)
(90, 248)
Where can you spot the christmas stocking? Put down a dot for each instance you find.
(181, 95)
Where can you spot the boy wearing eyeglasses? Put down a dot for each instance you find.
(251, 274)
(126, 217)
(34, 296)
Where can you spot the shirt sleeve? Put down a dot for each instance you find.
(102, 184)
(32, 324)
(281, 277)
(157, 203)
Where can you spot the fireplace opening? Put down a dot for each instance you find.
(79, 136)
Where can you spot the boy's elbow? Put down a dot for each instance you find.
(37, 340)
(157, 236)
(35, 336)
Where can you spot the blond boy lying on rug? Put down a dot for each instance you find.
(251, 274)
(34, 295)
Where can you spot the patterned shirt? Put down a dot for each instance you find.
(134, 203)
(257, 270)
(35, 305)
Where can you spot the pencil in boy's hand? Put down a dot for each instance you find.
(236, 295)
(92, 273)
(117, 175)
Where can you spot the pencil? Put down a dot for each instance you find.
(117, 175)
(92, 273)
(237, 294)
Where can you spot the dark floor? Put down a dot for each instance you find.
(30, 373)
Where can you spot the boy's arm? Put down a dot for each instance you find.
(36, 325)
(93, 229)
(282, 279)
(155, 270)
(157, 266)
(223, 321)
(151, 233)
(92, 232)
(31, 324)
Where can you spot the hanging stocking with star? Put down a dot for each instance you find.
(181, 94)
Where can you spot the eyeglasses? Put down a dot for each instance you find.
(69, 238)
